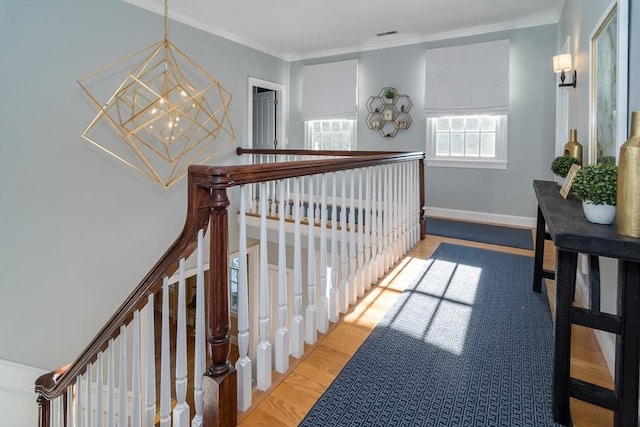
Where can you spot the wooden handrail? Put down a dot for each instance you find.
(53, 384)
(337, 153)
(207, 201)
(239, 175)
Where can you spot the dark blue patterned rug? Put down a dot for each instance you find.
(467, 344)
(485, 233)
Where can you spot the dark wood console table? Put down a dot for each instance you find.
(572, 233)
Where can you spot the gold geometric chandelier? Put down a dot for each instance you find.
(165, 122)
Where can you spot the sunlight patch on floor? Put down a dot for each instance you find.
(454, 286)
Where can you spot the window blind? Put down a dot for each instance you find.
(330, 90)
(468, 79)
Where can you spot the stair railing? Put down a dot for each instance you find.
(374, 233)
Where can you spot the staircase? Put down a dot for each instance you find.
(338, 220)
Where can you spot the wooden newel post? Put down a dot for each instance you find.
(219, 382)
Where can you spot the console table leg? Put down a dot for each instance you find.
(539, 252)
(567, 263)
(627, 351)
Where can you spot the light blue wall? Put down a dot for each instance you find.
(578, 21)
(531, 120)
(79, 229)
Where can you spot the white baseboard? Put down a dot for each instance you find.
(519, 221)
(17, 397)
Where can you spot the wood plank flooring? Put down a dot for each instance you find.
(295, 393)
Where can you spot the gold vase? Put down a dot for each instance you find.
(573, 148)
(628, 198)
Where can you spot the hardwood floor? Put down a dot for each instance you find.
(295, 393)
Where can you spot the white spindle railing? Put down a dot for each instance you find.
(362, 222)
(199, 357)
(136, 411)
(297, 325)
(334, 308)
(244, 363)
(282, 334)
(263, 355)
(150, 364)
(344, 256)
(352, 292)
(323, 303)
(311, 314)
(181, 413)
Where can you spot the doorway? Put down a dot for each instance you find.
(266, 118)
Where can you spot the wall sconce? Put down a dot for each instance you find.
(562, 63)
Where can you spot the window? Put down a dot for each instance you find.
(330, 134)
(330, 105)
(466, 104)
(467, 141)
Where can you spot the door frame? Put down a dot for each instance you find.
(281, 96)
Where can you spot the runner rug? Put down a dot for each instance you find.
(485, 233)
(467, 344)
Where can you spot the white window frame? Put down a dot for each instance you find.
(497, 162)
(308, 131)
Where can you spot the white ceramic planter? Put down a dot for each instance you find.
(599, 214)
(559, 180)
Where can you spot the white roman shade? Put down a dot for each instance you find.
(330, 90)
(468, 79)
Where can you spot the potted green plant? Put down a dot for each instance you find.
(596, 186)
(561, 165)
(389, 94)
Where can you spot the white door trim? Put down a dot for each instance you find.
(282, 103)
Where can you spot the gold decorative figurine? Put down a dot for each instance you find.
(573, 148)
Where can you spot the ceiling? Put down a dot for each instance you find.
(299, 29)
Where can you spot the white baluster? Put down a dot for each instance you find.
(62, 410)
(181, 410)
(343, 300)
(407, 196)
(334, 309)
(297, 323)
(99, 421)
(272, 196)
(150, 364)
(381, 216)
(386, 219)
(122, 382)
(111, 400)
(367, 230)
(88, 415)
(394, 214)
(263, 353)
(311, 313)
(373, 267)
(417, 207)
(282, 334)
(414, 204)
(165, 361)
(404, 202)
(352, 291)
(244, 364)
(136, 412)
(78, 403)
(323, 303)
(200, 350)
(360, 231)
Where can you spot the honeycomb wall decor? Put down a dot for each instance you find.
(389, 112)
